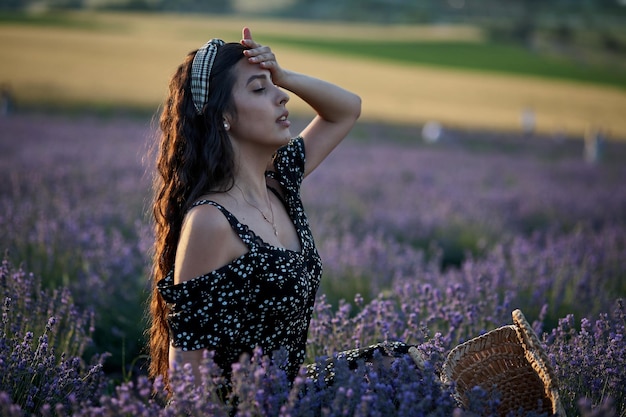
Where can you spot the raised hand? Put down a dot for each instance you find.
(262, 55)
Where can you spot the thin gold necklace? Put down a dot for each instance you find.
(271, 222)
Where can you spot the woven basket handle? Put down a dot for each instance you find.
(538, 359)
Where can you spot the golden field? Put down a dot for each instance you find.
(126, 59)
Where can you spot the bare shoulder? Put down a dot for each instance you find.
(207, 242)
(203, 219)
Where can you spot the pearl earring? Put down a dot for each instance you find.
(226, 126)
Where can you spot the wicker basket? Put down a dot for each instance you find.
(508, 361)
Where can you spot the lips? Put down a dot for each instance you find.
(283, 119)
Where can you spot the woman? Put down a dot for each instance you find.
(235, 263)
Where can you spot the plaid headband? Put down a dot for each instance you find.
(201, 71)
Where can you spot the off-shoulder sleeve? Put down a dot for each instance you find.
(206, 312)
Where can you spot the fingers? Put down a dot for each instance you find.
(246, 34)
(247, 38)
(265, 60)
(258, 54)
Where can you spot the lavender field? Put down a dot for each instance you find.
(429, 243)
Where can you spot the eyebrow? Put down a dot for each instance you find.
(255, 77)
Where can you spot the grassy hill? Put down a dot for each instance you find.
(450, 74)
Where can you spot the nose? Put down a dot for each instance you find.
(283, 97)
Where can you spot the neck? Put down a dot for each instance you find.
(257, 195)
(260, 207)
(251, 182)
(251, 165)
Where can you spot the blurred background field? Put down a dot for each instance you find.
(486, 174)
(458, 73)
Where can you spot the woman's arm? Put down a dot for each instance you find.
(337, 109)
(207, 242)
(337, 112)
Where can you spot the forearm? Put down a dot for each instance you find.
(195, 358)
(331, 102)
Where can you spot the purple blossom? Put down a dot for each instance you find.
(33, 375)
(431, 245)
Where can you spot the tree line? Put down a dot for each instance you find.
(509, 20)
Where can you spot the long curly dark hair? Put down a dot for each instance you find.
(194, 156)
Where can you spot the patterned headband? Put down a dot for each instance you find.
(201, 71)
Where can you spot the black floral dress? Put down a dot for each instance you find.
(263, 298)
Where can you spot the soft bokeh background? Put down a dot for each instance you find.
(556, 66)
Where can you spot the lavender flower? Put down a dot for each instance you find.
(589, 361)
(431, 245)
(34, 375)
